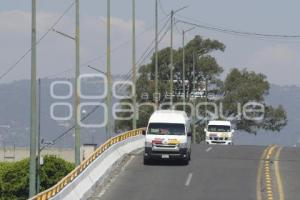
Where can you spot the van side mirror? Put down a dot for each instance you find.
(232, 131)
(143, 132)
(189, 134)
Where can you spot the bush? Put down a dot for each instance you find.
(14, 177)
(53, 170)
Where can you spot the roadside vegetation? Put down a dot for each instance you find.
(14, 176)
(238, 86)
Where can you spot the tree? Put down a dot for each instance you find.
(241, 87)
(207, 69)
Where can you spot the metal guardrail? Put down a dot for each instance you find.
(47, 194)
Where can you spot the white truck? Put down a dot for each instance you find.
(219, 132)
(168, 136)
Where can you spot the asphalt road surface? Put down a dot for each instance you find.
(215, 172)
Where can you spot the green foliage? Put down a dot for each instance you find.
(275, 118)
(207, 69)
(14, 180)
(53, 170)
(14, 177)
(242, 86)
(239, 87)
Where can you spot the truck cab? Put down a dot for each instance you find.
(219, 132)
(168, 136)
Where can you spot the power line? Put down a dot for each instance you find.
(141, 61)
(54, 141)
(176, 28)
(162, 8)
(102, 56)
(240, 33)
(71, 128)
(9, 69)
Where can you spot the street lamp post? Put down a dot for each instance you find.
(194, 99)
(108, 72)
(172, 55)
(183, 64)
(171, 61)
(133, 66)
(33, 120)
(156, 55)
(77, 99)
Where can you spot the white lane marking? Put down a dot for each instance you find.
(208, 149)
(188, 180)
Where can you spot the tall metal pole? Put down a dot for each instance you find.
(38, 178)
(171, 61)
(183, 68)
(133, 65)
(183, 65)
(108, 71)
(33, 123)
(77, 99)
(194, 100)
(156, 54)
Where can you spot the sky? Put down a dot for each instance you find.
(278, 59)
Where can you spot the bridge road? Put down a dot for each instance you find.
(290, 172)
(216, 172)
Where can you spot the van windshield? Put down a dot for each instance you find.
(218, 128)
(166, 129)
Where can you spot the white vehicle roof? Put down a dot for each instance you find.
(219, 122)
(169, 116)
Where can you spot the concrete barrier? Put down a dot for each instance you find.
(96, 171)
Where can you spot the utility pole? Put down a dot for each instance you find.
(108, 72)
(171, 61)
(133, 65)
(156, 54)
(183, 64)
(38, 180)
(183, 69)
(194, 100)
(77, 99)
(33, 123)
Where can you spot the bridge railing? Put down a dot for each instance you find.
(47, 194)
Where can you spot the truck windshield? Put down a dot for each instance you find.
(218, 128)
(166, 129)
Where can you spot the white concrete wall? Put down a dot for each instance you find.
(96, 171)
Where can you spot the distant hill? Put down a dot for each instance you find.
(15, 112)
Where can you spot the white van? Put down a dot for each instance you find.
(219, 132)
(168, 136)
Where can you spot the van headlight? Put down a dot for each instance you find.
(183, 145)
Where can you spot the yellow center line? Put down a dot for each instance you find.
(268, 178)
(259, 174)
(278, 175)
